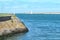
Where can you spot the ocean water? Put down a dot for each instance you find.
(41, 27)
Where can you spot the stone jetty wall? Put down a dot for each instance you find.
(14, 25)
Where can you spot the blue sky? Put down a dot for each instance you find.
(18, 6)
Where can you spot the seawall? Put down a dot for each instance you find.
(11, 25)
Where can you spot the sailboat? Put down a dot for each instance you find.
(31, 12)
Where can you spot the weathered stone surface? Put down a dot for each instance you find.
(14, 25)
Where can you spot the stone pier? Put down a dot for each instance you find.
(11, 24)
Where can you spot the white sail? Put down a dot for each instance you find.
(31, 12)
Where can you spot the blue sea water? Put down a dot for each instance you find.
(41, 27)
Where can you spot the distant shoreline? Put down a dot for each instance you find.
(40, 13)
(34, 13)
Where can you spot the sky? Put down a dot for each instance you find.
(21, 6)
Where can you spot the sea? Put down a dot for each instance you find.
(40, 26)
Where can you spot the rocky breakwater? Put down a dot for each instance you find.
(11, 25)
